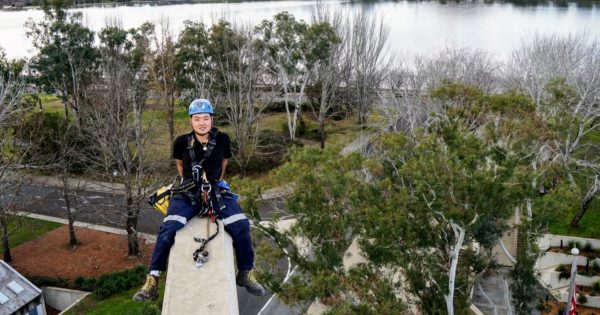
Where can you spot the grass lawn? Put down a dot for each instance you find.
(118, 304)
(26, 229)
(589, 226)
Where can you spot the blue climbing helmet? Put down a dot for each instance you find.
(200, 106)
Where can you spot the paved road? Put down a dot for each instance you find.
(106, 209)
(90, 207)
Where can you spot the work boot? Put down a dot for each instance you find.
(149, 290)
(245, 278)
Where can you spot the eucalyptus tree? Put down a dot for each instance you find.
(115, 121)
(66, 58)
(292, 50)
(422, 205)
(562, 76)
(193, 62)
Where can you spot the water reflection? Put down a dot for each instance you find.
(415, 26)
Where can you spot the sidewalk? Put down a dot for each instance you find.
(74, 183)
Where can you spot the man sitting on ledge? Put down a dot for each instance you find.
(212, 148)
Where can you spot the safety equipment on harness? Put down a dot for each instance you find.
(200, 106)
(160, 199)
(201, 254)
(197, 174)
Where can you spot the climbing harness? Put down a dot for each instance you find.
(201, 255)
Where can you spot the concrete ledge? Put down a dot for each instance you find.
(209, 290)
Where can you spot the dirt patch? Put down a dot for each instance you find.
(567, 251)
(98, 253)
(552, 308)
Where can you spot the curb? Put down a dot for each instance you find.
(150, 239)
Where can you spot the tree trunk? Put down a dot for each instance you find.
(6, 245)
(70, 216)
(459, 233)
(322, 133)
(171, 122)
(133, 246)
(585, 203)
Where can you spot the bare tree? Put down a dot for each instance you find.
(56, 146)
(407, 105)
(328, 74)
(163, 73)
(115, 122)
(11, 112)
(369, 60)
(238, 79)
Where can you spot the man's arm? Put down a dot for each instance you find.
(223, 167)
(179, 167)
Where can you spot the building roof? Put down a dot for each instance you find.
(15, 290)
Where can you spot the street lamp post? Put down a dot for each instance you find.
(574, 252)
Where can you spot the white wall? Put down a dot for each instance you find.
(60, 298)
(552, 260)
(550, 280)
(550, 240)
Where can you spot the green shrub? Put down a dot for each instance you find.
(596, 287)
(561, 268)
(269, 154)
(43, 281)
(108, 285)
(86, 284)
(595, 266)
(564, 275)
(588, 247)
(582, 299)
(48, 138)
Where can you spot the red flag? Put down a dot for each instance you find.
(573, 302)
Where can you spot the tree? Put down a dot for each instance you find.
(369, 62)
(115, 121)
(329, 71)
(408, 105)
(66, 57)
(163, 74)
(292, 50)
(436, 212)
(237, 83)
(421, 204)
(562, 76)
(194, 75)
(55, 145)
(12, 110)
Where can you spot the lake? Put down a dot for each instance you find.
(415, 27)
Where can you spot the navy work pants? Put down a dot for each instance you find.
(181, 210)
